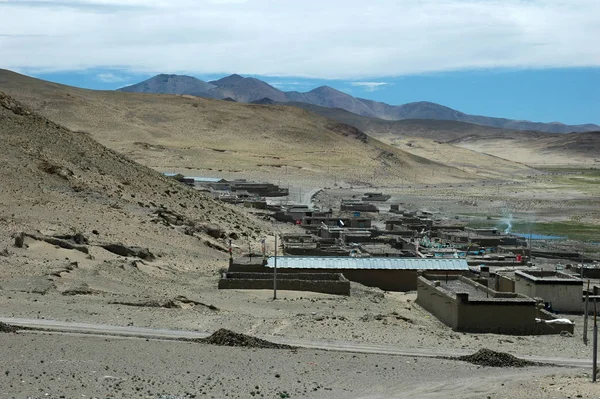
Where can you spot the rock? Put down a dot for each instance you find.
(77, 238)
(82, 289)
(178, 302)
(212, 230)
(234, 236)
(63, 243)
(5, 252)
(124, 250)
(20, 240)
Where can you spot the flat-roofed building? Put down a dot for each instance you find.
(561, 291)
(465, 305)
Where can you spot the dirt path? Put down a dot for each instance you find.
(58, 327)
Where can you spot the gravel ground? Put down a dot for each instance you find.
(34, 365)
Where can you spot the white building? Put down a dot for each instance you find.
(562, 291)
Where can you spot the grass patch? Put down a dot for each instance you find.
(571, 230)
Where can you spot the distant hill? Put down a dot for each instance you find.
(172, 84)
(529, 147)
(206, 137)
(433, 129)
(251, 89)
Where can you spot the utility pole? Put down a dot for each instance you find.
(275, 271)
(582, 257)
(585, 314)
(530, 249)
(595, 354)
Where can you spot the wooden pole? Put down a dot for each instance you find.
(275, 272)
(585, 314)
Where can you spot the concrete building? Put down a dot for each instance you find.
(467, 306)
(375, 197)
(295, 213)
(358, 206)
(562, 292)
(390, 274)
(315, 222)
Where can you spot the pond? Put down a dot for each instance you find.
(539, 236)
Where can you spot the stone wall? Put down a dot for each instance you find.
(588, 272)
(504, 284)
(324, 283)
(386, 279)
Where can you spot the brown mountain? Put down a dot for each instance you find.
(251, 89)
(434, 129)
(172, 84)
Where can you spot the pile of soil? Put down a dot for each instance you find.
(224, 337)
(7, 328)
(490, 358)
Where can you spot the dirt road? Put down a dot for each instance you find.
(53, 326)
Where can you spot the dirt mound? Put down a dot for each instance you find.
(490, 358)
(226, 337)
(7, 328)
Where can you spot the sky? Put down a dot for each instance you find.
(521, 59)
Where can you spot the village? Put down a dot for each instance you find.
(473, 279)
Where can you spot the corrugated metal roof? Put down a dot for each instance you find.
(196, 178)
(326, 262)
(205, 179)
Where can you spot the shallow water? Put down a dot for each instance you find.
(539, 236)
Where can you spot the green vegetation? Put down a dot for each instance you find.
(571, 230)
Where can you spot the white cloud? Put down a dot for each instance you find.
(369, 86)
(334, 39)
(290, 85)
(110, 78)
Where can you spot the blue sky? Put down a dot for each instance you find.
(568, 95)
(522, 59)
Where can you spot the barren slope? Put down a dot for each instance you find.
(221, 138)
(520, 146)
(55, 181)
(573, 149)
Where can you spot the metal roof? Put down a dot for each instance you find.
(331, 262)
(205, 179)
(196, 178)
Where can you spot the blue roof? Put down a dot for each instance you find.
(327, 262)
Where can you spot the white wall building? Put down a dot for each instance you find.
(564, 292)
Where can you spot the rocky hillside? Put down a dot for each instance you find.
(60, 183)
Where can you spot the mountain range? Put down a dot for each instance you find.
(247, 90)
